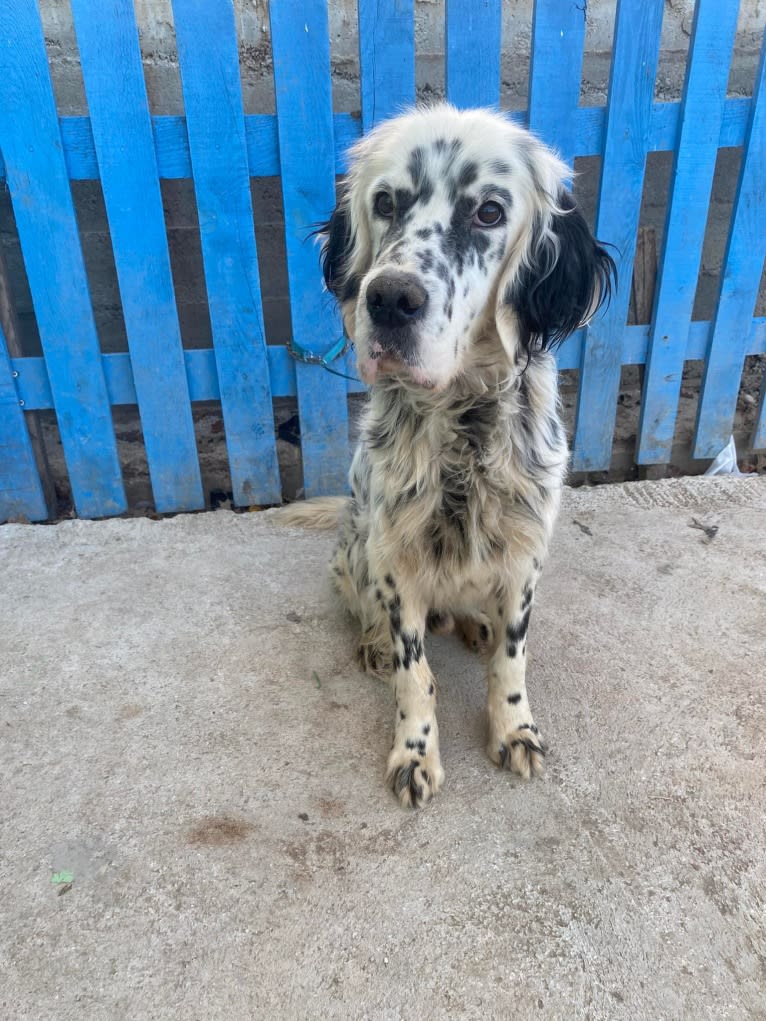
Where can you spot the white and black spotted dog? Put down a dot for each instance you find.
(458, 259)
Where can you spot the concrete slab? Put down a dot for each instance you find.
(182, 726)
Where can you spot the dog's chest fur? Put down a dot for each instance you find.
(459, 481)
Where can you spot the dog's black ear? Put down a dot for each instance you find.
(337, 248)
(566, 277)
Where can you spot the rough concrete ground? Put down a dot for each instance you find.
(183, 727)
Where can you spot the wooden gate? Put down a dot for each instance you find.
(220, 149)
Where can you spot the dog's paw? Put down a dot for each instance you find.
(375, 660)
(476, 633)
(521, 750)
(440, 622)
(414, 771)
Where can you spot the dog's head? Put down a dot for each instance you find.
(454, 226)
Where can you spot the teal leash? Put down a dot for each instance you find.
(301, 354)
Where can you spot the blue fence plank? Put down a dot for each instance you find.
(114, 85)
(558, 34)
(174, 161)
(740, 277)
(21, 491)
(472, 52)
(300, 41)
(34, 389)
(386, 58)
(208, 58)
(691, 183)
(629, 107)
(45, 218)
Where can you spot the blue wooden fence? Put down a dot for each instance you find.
(220, 149)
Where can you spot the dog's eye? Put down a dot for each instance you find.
(384, 205)
(490, 214)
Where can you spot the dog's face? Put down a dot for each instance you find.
(454, 223)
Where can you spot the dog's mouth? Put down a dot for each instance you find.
(381, 365)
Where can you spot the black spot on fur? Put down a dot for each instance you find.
(445, 148)
(430, 689)
(427, 728)
(424, 233)
(416, 166)
(389, 581)
(425, 260)
(405, 777)
(394, 616)
(500, 167)
(517, 631)
(467, 174)
(402, 715)
(514, 699)
(478, 422)
(462, 240)
(396, 662)
(412, 646)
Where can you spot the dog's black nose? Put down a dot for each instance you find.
(395, 299)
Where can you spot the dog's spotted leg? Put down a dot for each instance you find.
(414, 766)
(514, 740)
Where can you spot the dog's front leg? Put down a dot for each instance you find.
(514, 740)
(414, 766)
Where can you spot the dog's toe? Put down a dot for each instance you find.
(522, 751)
(414, 778)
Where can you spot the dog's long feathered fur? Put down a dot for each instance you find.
(456, 480)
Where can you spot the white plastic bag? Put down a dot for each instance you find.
(726, 462)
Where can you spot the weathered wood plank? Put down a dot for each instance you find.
(386, 58)
(300, 40)
(208, 58)
(473, 52)
(558, 34)
(107, 37)
(690, 188)
(740, 277)
(45, 218)
(174, 162)
(21, 491)
(9, 324)
(34, 389)
(631, 87)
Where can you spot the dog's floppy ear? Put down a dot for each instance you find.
(562, 279)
